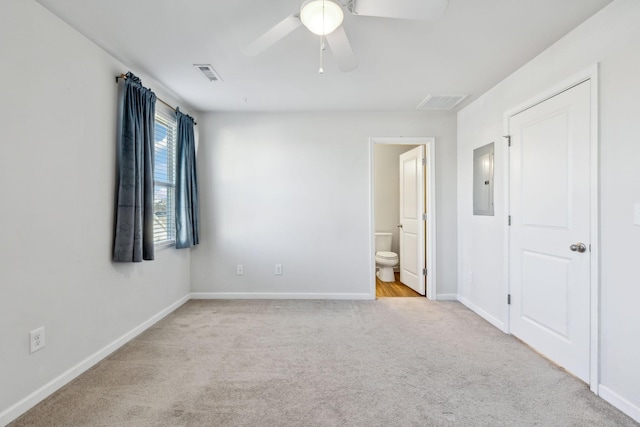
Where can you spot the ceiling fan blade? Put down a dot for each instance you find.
(422, 10)
(341, 50)
(275, 34)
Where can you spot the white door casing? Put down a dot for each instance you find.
(431, 209)
(412, 226)
(550, 207)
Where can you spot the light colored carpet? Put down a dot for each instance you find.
(389, 362)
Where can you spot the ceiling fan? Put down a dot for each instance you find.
(325, 17)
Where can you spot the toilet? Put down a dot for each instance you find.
(385, 259)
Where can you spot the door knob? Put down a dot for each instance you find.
(578, 247)
(399, 225)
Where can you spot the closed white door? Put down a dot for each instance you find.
(550, 228)
(412, 237)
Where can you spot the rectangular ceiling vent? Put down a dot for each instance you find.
(440, 102)
(208, 72)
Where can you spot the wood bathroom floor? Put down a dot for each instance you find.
(394, 289)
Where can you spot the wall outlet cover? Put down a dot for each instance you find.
(36, 339)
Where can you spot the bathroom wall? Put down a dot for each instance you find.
(386, 187)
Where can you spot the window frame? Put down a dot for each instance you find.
(165, 117)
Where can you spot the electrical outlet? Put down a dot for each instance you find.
(240, 270)
(278, 270)
(36, 339)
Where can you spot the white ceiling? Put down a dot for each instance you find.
(477, 44)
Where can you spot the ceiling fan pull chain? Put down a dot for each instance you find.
(321, 70)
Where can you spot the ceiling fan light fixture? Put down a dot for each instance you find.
(321, 17)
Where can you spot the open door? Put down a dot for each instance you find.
(412, 225)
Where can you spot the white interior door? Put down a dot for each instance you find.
(412, 237)
(550, 228)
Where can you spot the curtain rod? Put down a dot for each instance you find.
(124, 77)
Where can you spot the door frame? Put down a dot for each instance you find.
(589, 73)
(430, 194)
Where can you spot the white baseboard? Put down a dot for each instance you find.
(446, 297)
(619, 402)
(52, 386)
(278, 295)
(480, 312)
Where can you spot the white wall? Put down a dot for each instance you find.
(611, 38)
(293, 188)
(57, 173)
(387, 190)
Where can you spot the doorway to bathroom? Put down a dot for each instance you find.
(402, 205)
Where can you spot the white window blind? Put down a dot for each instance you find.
(164, 228)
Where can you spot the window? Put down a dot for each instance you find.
(164, 225)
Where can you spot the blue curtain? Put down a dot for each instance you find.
(133, 240)
(186, 184)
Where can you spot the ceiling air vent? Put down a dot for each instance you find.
(208, 72)
(440, 102)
